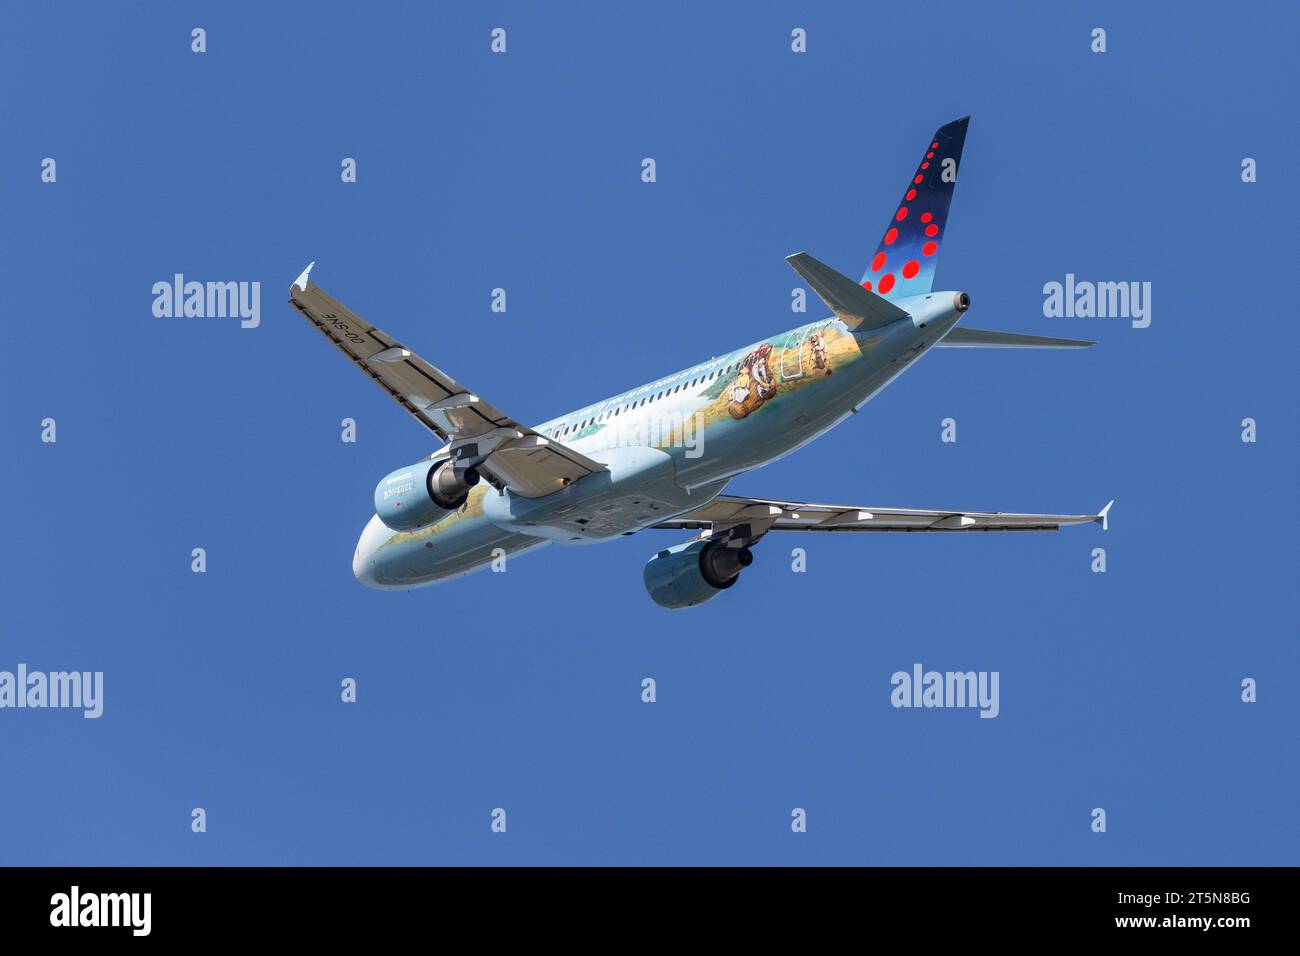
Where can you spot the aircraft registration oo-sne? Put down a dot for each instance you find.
(659, 456)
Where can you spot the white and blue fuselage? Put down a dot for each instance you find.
(670, 445)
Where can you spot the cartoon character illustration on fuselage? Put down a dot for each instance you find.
(754, 382)
(819, 353)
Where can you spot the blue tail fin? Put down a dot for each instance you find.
(905, 259)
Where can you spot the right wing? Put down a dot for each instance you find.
(508, 453)
(762, 515)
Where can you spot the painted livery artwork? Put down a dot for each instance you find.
(804, 352)
(819, 352)
(755, 382)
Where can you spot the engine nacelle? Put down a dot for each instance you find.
(694, 572)
(417, 496)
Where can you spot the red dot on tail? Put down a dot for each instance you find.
(867, 286)
(926, 217)
(878, 263)
(911, 194)
(925, 165)
(929, 155)
(935, 144)
(891, 236)
(911, 269)
(932, 230)
(886, 282)
(918, 179)
(902, 214)
(929, 248)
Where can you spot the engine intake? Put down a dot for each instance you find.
(422, 494)
(694, 572)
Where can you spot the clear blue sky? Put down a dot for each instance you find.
(522, 690)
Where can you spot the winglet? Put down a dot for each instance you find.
(301, 281)
(1102, 516)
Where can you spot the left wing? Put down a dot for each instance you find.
(762, 515)
(508, 453)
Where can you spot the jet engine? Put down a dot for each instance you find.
(419, 495)
(694, 572)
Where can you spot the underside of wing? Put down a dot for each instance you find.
(763, 515)
(508, 453)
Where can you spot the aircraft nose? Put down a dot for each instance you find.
(373, 535)
(361, 568)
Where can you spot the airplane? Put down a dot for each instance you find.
(660, 456)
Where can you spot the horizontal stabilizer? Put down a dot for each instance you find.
(962, 338)
(853, 305)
